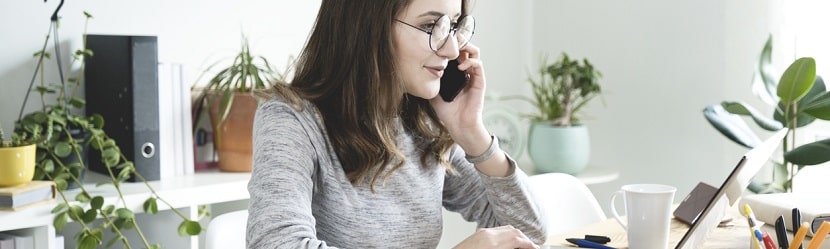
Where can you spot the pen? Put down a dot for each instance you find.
(597, 238)
(781, 233)
(753, 225)
(799, 236)
(754, 237)
(760, 239)
(768, 243)
(796, 223)
(818, 237)
(588, 243)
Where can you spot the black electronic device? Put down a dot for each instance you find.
(452, 82)
(121, 84)
(690, 208)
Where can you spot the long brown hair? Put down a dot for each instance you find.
(347, 70)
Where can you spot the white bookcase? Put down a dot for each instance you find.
(221, 191)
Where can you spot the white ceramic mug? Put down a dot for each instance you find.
(648, 213)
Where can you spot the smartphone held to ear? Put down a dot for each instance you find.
(452, 81)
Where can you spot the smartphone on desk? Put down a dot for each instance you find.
(452, 81)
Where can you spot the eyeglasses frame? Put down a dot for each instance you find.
(452, 31)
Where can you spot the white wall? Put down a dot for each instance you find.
(663, 62)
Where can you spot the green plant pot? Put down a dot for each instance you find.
(559, 149)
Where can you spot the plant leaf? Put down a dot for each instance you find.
(75, 213)
(60, 221)
(731, 126)
(88, 242)
(797, 80)
(819, 105)
(62, 149)
(817, 152)
(89, 216)
(188, 227)
(803, 119)
(764, 82)
(151, 206)
(82, 197)
(124, 213)
(108, 210)
(97, 202)
(742, 108)
(59, 208)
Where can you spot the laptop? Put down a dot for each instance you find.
(730, 191)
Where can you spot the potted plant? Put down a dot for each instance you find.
(229, 97)
(17, 160)
(558, 141)
(799, 97)
(64, 136)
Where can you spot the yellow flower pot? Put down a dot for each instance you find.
(17, 165)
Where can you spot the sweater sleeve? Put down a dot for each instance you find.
(493, 201)
(281, 182)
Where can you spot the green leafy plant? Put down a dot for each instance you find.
(800, 97)
(63, 137)
(562, 89)
(246, 73)
(15, 140)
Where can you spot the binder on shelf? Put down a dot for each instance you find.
(768, 207)
(29, 194)
(121, 84)
(176, 139)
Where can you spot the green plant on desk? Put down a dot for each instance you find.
(64, 135)
(562, 89)
(557, 140)
(801, 98)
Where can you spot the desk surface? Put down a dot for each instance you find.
(736, 236)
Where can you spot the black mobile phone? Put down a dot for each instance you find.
(452, 81)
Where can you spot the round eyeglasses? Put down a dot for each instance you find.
(440, 31)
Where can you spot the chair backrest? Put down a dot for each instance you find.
(227, 231)
(568, 202)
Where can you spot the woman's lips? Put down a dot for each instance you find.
(437, 71)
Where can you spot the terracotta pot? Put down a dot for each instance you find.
(233, 137)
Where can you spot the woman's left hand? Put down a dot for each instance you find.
(462, 116)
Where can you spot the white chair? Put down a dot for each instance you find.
(568, 203)
(227, 231)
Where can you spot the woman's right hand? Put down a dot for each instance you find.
(497, 237)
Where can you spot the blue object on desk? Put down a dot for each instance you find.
(587, 243)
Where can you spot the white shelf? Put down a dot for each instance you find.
(201, 188)
(590, 175)
(593, 175)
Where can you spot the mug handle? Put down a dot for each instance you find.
(614, 209)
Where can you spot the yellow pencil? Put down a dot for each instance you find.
(799, 236)
(818, 237)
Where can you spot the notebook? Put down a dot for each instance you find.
(730, 191)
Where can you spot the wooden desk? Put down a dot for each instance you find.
(736, 236)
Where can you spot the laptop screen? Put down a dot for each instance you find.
(730, 191)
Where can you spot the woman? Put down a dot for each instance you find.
(359, 152)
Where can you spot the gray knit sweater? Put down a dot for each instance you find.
(301, 198)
